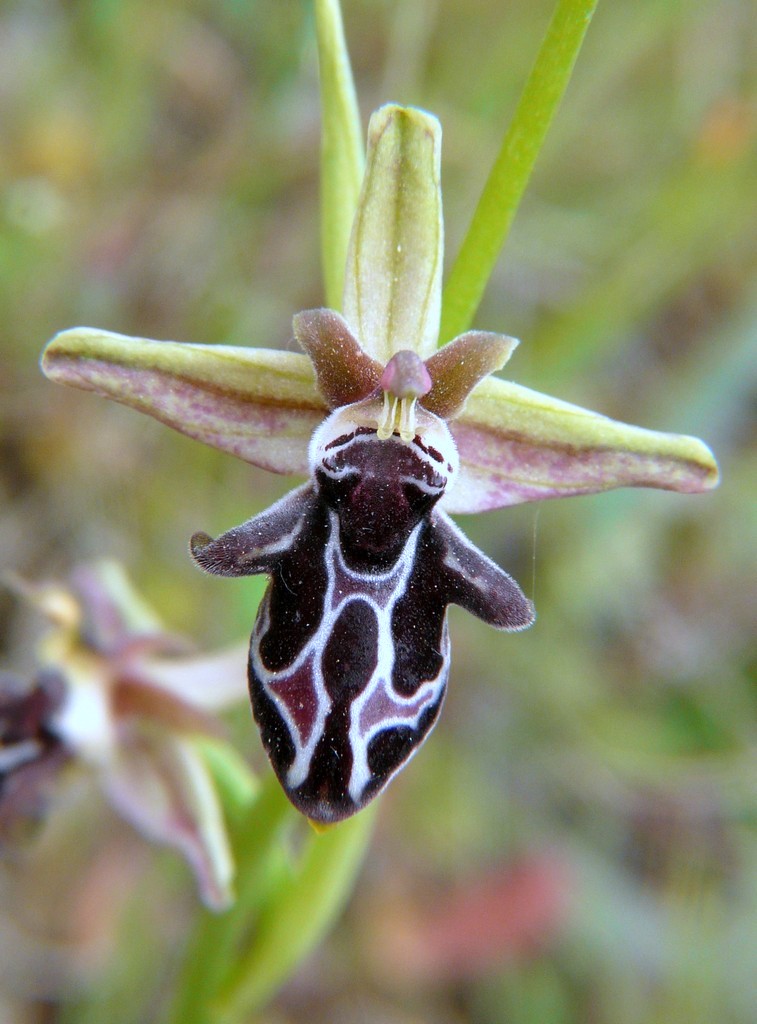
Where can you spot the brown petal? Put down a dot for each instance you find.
(459, 366)
(345, 373)
(134, 696)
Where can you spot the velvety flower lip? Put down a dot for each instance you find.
(119, 698)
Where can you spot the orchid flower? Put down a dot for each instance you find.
(350, 652)
(121, 699)
(31, 752)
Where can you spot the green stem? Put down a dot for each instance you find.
(512, 169)
(212, 950)
(296, 917)
(342, 156)
(237, 787)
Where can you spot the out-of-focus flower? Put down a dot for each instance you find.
(349, 659)
(484, 922)
(123, 699)
(32, 753)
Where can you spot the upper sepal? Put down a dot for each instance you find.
(392, 292)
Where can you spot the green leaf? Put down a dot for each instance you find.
(342, 157)
(512, 169)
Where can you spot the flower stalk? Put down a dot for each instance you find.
(342, 156)
(512, 169)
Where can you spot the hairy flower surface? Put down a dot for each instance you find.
(120, 698)
(350, 653)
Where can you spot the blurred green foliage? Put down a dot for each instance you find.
(159, 176)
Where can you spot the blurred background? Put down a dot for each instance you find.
(576, 842)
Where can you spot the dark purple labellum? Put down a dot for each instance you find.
(349, 657)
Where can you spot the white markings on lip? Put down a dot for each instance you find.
(380, 591)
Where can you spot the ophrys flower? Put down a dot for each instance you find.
(122, 701)
(350, 653)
